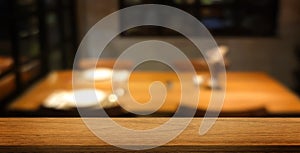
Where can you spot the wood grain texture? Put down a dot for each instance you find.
(245, 91)
(228, 134)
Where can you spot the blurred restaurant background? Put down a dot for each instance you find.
(39, 38)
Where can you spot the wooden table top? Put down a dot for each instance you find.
(245, 90)
(228, 134)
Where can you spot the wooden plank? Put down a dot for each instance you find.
(228, 134)
(163, 149)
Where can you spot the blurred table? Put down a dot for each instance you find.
(245, 91)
